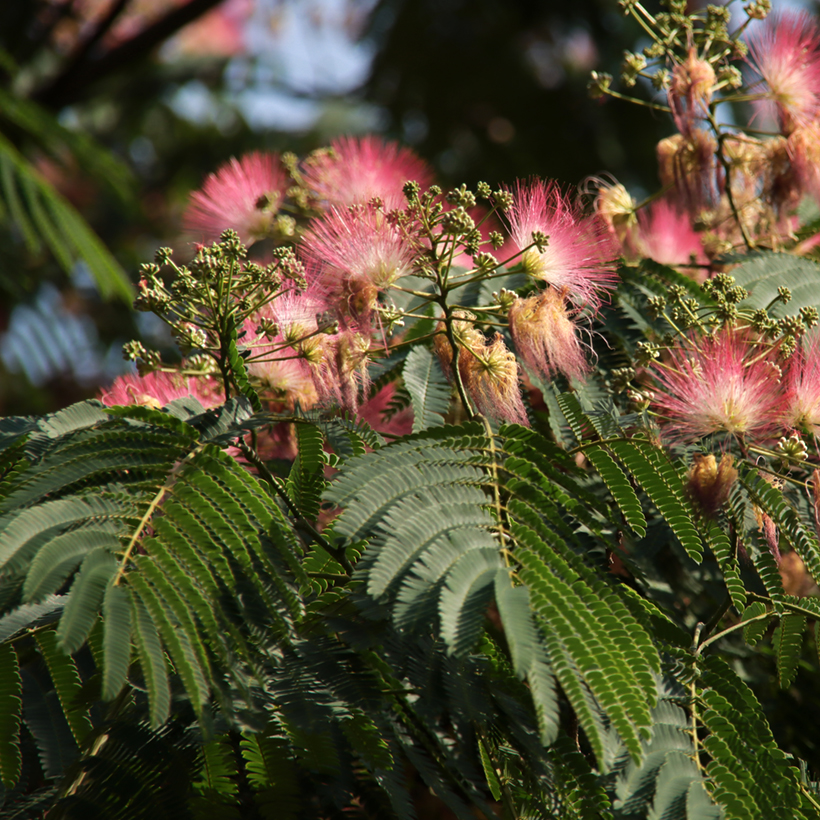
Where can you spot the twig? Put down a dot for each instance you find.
(301, 522)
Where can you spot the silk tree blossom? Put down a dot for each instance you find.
(724, 383)
(665, 233)
(785, 51)
(244, 194)
(296, 314)
(286, 337)
(356, 170)
(358, 252)
(545, 336)
(281, 371)
(159, 388)
(578, 258)
(800, 407)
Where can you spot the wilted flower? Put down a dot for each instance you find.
(158, 389)
(796, 578)
(244, 194)
(545, 336)
(688, 164)
(357, 252)
(690, 92)
(578, 257)
(466, 335)
(340, 375)
(488, 371)
(709, 483)
(803, 148)
(490, 376)
(616, 207)
(786, 53)
(717, 384)
(358, 169)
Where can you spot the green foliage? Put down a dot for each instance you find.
(42, 215)
(471, 611)
(429, 391)
(10, 703)
(306, 480)
(765, 272)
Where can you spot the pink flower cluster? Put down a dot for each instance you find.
(160, 388)
(734, 383)
(720, 194)
(312, 346)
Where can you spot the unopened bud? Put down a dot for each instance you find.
(758, 10)
(599, 84)
(793, 448)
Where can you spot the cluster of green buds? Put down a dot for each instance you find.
(724, 306)
(678, 32)
(216, 291)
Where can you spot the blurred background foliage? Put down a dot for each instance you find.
(112, 111)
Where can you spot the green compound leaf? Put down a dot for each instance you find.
(787, 641)
(11, 701)
(428, 388)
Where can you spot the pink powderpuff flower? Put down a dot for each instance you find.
(244, 194)
(800, 407)
(296, 313)
(358, 252)
(545, 336)
(717, 384)
(578, 258)
(664, 233)
(159, 388)
(359, 169)
(281, 371)
(785, 51)
(282, 358)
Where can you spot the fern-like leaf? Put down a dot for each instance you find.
(67, 684)
(116, 639)
(306, 480)
(428, 388)
(787, 642)
(11, 699)
(620, 488)
(43, 214)
(85, 598)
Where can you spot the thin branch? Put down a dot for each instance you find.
(155, 501)
(301, 522)
(70, 85)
